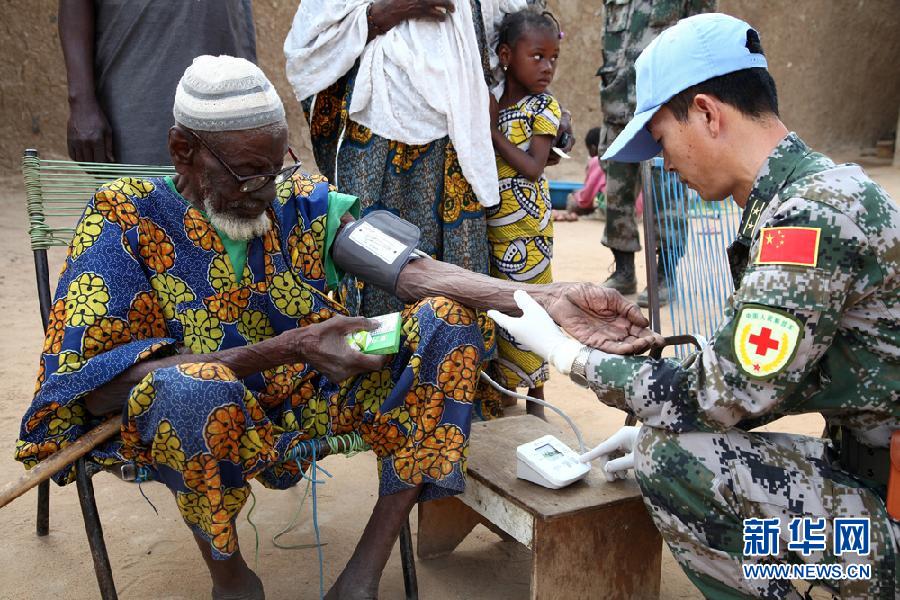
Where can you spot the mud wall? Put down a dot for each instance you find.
(835, 64)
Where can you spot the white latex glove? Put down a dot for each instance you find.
(621, 441)
(536, 331)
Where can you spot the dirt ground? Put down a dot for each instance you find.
(153, 554)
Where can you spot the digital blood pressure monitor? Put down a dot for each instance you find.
(548, 462)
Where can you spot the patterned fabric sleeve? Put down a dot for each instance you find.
(105, 317)
(783, 320)
(546, 119)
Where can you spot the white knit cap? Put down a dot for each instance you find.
(224, 93)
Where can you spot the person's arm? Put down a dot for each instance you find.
(528, 163)
(737, 376)
(323, 345)
(89, 136)
(384, 15)
(595, 315)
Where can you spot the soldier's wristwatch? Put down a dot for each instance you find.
(578, 373)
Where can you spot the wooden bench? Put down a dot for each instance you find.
(593, 539)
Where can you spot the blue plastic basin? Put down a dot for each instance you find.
(560, 190)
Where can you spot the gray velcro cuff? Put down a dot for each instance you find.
(376, 248)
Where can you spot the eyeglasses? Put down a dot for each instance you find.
(252, 183)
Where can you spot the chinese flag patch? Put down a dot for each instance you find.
(789, 246)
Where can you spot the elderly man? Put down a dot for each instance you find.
(813, 326)
(197, 306)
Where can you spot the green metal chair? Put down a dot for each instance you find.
(56, 192)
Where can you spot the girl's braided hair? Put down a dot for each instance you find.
(515, 24)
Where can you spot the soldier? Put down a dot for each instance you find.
(627, 29)
(813, 326)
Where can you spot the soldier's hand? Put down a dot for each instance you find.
(536, 331)
(617, 452)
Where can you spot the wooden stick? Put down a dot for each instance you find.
(46, 468)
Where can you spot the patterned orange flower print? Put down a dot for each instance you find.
(404, 155)
(439, 452)
(156, 247)
(58, 418)
(279, 384)
(452, 312)
(207, 371)
(56, 327)
(384, 438)
(200, 231)
(41, 375)
(116, 207)
(426, 407)
(406, 466)
(302, 392)
(323, 314)
(104, 335)
(201, 474)
(324, 120)
(348, 418)
(305, 255)
(30, 454)
(224, 427)
(358, 133)
(150, 351)
(145, 318)
(227, 306)
(458, 374)
(455, 189)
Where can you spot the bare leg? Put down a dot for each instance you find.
(533, 408)
(232, 578)
(363, 571)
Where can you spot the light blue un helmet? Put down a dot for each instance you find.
(690, 52)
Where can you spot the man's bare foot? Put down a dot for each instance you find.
(359, 580)
(232, 578)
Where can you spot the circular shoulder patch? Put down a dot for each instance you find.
(765, 340)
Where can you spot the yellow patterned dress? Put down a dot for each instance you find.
(520, 230)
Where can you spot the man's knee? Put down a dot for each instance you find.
(184, 390)
(444, 321)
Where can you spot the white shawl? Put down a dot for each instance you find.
(417, 83)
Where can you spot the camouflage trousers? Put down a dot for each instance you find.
(699, 487)
(623, 181)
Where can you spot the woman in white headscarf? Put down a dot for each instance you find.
(396, 92)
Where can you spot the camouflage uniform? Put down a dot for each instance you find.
(628, 26)
(836, 316)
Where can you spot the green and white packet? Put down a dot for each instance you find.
(384, 340)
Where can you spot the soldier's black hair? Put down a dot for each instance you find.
(515, 24)
(751, 91)
(593, 137)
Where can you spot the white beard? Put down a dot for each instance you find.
(236, 228)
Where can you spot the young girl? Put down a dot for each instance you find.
(524, 122)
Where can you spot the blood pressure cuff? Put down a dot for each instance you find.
(376, 248)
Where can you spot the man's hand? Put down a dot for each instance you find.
(601, 318)
(620, 444)
(89, 136)
(324, 346)
(390, 13)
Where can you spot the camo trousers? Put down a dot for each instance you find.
(623, 181)
(699, 487)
